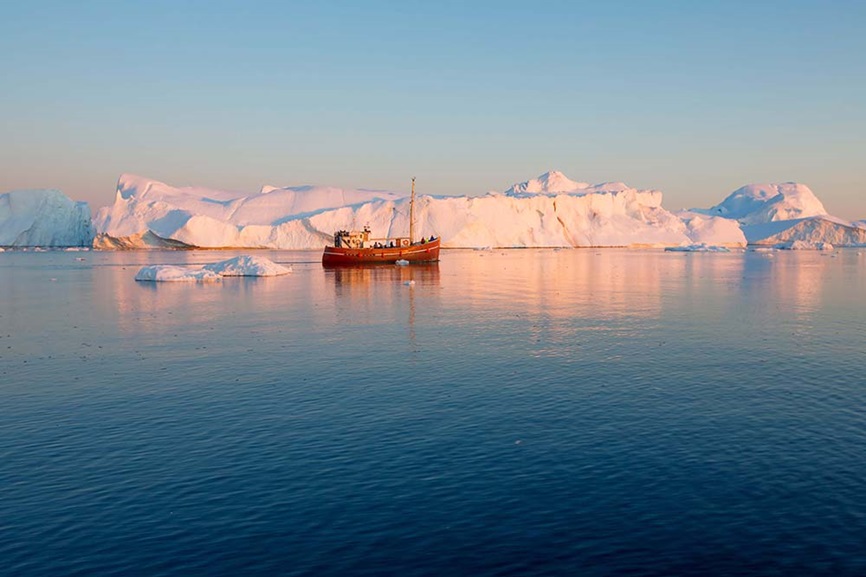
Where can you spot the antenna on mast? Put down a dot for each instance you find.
(412, 214)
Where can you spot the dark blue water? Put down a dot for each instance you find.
(530, 412)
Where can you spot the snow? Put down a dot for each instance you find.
(45, 218)
(535, 213)
(808, 231)
(215, 218)
(238, 266)
(248, 266)
(806, 245)
(173, 273)
(784, 215)
(549, 182)
(712, 230)
(762, 203)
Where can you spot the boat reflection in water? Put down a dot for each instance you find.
(389, 297)
(359, 280)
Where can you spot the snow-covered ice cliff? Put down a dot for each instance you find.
(43, 218)
(548, 211)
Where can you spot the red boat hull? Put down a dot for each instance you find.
(340, 256)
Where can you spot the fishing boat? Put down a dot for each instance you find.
(358, 247)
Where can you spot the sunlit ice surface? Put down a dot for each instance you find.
(502, 412)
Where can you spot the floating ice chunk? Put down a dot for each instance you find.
(401, 262)
(697, 248)
(248, 266)
(238, 266)
(173, 273)
(805, 245)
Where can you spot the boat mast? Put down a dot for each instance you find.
(412, 214)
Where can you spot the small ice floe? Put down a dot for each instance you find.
(173, 273)
(409, 283)
(238, 266)
(703, 247)
(805, 245)
(246, 265)
(401, 262)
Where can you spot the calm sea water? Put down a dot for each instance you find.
(527, 412)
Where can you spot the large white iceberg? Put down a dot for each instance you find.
(786, 215)
(550, 211)
(46, 218)
(148, 213)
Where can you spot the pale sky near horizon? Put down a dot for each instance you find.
(693, 98)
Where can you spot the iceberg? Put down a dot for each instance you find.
(698, 248)
(762, 203)
(805, 245)
(235, 267)
(173, 273)
(785, 215)
(806, 231)
(248, 266)
(43, 218)
(549, 211)
(151, 214)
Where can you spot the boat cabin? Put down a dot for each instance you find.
(361, 239)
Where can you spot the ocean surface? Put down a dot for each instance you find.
(519, 412)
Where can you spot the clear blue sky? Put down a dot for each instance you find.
(694, 98)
